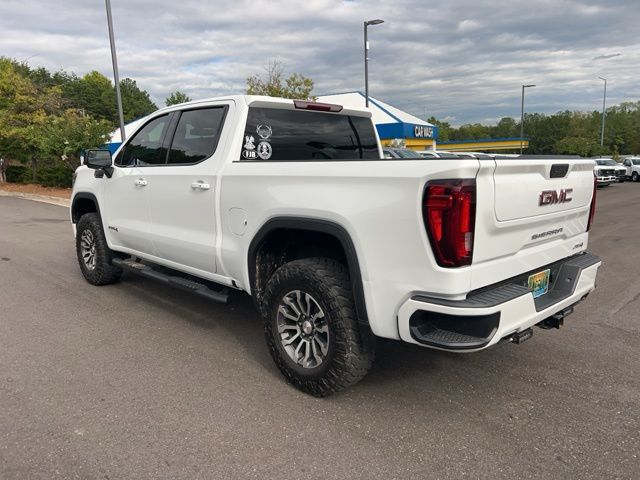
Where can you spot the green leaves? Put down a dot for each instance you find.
(296, 86)
(176, 98)
(570, 133)
(37, 123)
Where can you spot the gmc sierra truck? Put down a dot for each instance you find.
(293, 203)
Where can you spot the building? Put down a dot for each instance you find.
(391, 122)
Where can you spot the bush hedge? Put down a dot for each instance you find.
(18, 174)
(48, 176)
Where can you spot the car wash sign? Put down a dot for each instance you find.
(423, 131)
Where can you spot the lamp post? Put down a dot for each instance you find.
(366, 58)
(116, 77)
(604, 102)
(522, 118)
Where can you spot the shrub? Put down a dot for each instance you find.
(48, 176)
(18, 174)
(55, 176)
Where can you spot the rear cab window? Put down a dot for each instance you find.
(298, 135)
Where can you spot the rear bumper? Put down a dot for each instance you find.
(499, 311)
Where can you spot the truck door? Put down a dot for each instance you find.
(182, 194)
(125, 207)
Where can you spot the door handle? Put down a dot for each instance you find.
(140, 182)
(200, 185)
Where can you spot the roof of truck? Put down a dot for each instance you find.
(256, 100)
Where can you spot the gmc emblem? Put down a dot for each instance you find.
(551, 197)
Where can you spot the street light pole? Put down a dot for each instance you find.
(522, 118)
(604, 102)
(116, 77)
(366, 58)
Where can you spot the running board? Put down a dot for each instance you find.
(173, 280)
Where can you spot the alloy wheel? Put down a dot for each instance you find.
(303, 329)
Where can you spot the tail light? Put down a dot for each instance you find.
(320, 107)
(592, 208)
(449, 210)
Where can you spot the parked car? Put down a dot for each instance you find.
(291, 202)
(619, 170)
(436, 154)
(632, 168)
(389, 152)
(605, 174)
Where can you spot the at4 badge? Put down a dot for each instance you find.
(264, 150)
(249, 147)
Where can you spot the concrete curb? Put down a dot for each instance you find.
(60, 202)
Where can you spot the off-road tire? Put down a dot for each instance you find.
(103, 273)
(351, 347)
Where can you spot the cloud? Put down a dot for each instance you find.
(606, 57)
(463, 59)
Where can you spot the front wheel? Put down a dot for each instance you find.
(94, 255)
(311, 327)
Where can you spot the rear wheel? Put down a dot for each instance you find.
(311, 327)
(635, 177)
(94, 256)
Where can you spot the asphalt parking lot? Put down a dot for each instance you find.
(136, 380)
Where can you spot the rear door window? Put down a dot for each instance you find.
(196, 135)
(276, 134)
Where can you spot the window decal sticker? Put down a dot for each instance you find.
(264, 131)
(264, 150)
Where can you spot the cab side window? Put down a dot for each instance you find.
(145, 148)
(196, 135)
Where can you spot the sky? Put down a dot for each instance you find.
(462, 61)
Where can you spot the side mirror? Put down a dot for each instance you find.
(99, 160)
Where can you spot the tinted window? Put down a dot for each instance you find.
(196, 135)
(273, 134)
(145, 147)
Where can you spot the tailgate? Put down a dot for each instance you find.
(526, 188)
(531, 212)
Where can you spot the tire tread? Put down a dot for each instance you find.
(355, 344)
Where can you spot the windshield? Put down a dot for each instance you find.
(607, 162)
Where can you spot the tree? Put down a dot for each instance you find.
(444, 128)
(136, 103)
(24, 111)
(93, 94)
(583, 146)
(67, 134)
(506, 128)
(296, 86)
(176, 97)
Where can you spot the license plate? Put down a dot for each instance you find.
(539, 283)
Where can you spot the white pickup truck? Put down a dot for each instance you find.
(292, 202)
(632, 168)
